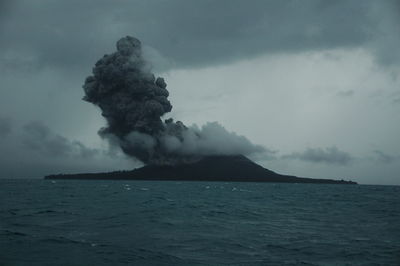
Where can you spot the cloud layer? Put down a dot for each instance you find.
(330, 155)
(194, 33)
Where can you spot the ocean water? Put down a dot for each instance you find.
(45, 222)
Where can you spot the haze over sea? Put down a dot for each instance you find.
(44, 222)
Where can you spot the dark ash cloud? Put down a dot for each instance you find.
(133, 101)
(331, 155)
(38, 137)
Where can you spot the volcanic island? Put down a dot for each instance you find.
(133, 102)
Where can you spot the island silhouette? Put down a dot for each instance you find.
(226, 168)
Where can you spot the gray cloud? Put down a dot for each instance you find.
(396, 101)
(345, 93)
(331, 155)
(382, 157)
(34, 150)
(5, 126)
(38, 137)
(385, 34)
(212, 138)
(193, 33)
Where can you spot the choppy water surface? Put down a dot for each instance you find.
(46, 222)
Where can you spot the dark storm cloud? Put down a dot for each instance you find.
(194, 33)
(38, 137)
(5, 126)
(330, 155)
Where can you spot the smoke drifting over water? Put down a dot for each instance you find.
(133, 101)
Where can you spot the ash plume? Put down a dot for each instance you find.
(133, 101)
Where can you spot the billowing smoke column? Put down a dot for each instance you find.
(133, 101)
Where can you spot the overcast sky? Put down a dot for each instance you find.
(317, 83)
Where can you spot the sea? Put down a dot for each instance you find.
(45, 222)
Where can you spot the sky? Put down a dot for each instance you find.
(317, 83)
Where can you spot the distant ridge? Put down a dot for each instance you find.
(210, 168)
